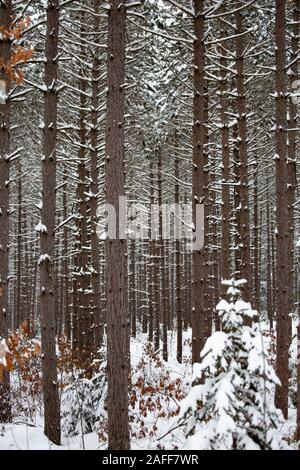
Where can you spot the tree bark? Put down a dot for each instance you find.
(292, 153)
(50, 386)
(85, 341)
(256, 245)
(225, 252)
(178, 270)
(65, 267)
(282, 236)
(244, 222)
(5, 53)
(116, 250)
(269, 264)
(298, 370)
(98, 314)
(162, 259)
(19, 310)
(199, 275)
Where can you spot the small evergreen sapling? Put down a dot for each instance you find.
(231, 405)
(83, 404)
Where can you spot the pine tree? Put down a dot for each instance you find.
(200, 317)
(5, 55)
(116, 249)
(47, 228)
(231, 405)
(282, 235)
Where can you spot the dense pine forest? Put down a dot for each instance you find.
(149, 225)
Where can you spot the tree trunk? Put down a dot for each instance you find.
(292, 153)
(162, 259)
(256, 233)
(19, 310)
(5, 51)
(98, 314)
(116, 250)
(199, 275)
(244, 223)
(50, 387)
(178, 269)
(84, 339)
(225, 251)
(269, 264)
(282, 254)
(133, 289)
(65, 268)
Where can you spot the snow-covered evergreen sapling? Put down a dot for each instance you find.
(83, 404)
(231, 405)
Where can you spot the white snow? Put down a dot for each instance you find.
(3, 351)
(41, 228)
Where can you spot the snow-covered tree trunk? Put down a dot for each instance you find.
(224, 108)
(256, 243)
(292, 149)
(65, 264)
(244, 216)
(298, 372)
(178, 282)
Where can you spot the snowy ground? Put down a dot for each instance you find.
(21, 436)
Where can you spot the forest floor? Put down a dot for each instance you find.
(24, 437)
(158, 389)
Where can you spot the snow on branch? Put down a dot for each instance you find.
(41, 228)
(3, 352)
(182, 8)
